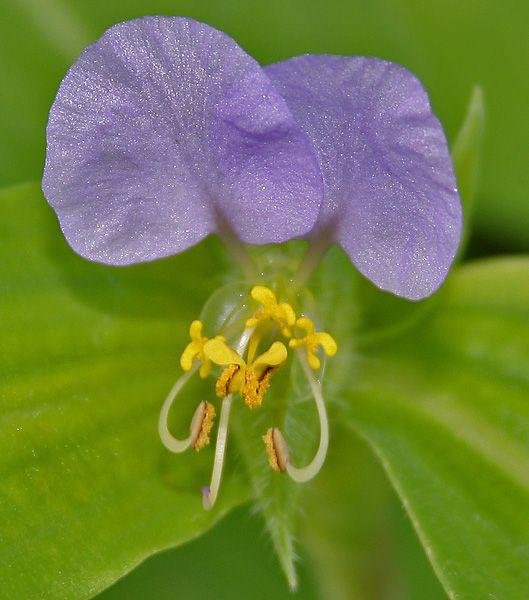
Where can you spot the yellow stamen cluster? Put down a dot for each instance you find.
(195, 350)
(312, 340)
(251, 379)
(254, 388)
(280, 312)
(284, 316)
(250, 376)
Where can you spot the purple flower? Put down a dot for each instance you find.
(390, 195)
(165, 131)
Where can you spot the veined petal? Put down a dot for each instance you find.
(390, 196)
(164, 131)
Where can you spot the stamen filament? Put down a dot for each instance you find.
(304, 474)
(168, 440)
(209, 494)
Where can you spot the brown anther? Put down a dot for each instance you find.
(222, 386)
(277, 449)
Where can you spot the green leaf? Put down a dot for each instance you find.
(357, 532)
(445, 409)
(233, 561)
(88, 353)
(466, 155)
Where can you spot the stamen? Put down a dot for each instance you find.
(281, 313)
(255, 388)
(264, 384)
(168, 440)
(250, 391)
(255, 340)
(277, 447)
(222, 386)
(209, 494)
(201, 425)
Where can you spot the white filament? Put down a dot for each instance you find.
(168, 440)
(304, 474)
(209, 496)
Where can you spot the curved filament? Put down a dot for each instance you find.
(304, 474)
(168, 440)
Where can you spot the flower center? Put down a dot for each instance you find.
(247, 373)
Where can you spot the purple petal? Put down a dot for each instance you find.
(165, 128)
(390, 196)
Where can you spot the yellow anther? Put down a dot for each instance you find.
(195, 350)
(225, 381)
(280, 312)
(312, 340)
(252, 379)
(202, 427)
(254, 388)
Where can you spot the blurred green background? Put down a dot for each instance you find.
(451, 45)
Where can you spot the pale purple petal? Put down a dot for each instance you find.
(165, 128)
(390, 196)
